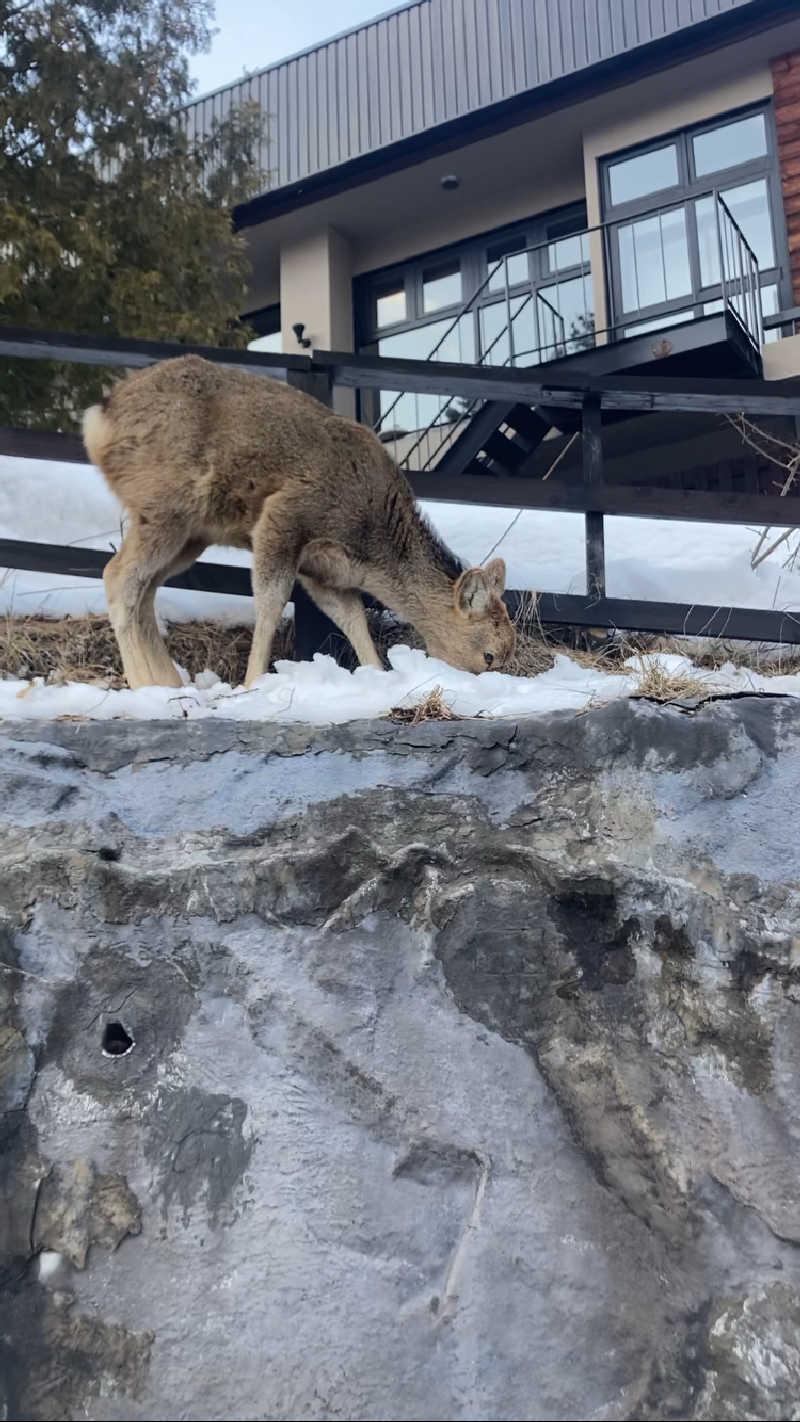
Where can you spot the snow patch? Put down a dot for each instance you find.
(321, 693)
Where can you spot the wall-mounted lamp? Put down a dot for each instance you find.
(298, 328)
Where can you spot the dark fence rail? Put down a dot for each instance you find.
(320, 373)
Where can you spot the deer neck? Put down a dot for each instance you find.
(416, 583)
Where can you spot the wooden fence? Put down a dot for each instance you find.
(321, 373)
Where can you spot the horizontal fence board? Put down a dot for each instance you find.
(628, 500)
(43, 444)
(99, 350)
(553, 609)
(90, 562)
(749, 624)
(632, 393)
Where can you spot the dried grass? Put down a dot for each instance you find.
(433, 707)
(656, 683)
(84, 649)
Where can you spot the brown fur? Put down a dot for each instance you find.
(201, 453)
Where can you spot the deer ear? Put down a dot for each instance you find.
(472, 592)
(496, 573)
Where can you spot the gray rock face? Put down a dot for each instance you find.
(376, 1072)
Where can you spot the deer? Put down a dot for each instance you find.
(200, 453)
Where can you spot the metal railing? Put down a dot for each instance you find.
(541, 307)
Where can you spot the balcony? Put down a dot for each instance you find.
(679, 285)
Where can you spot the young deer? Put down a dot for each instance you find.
(200, 453)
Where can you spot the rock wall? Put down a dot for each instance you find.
(376, 1072)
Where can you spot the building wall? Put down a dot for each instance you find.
(430, 62)
(547, 163)
(786, 83)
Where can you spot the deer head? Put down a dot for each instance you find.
(476, 634)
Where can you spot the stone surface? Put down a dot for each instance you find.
(462, 1077)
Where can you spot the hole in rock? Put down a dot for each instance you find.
(116, 1041)
(109, 854)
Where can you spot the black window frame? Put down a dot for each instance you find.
(684, 195)
(266, 321)
(537, 232)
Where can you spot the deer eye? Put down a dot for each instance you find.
(488, 658)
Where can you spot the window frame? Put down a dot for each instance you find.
(538, 231)
(266, 321)
(683, 196)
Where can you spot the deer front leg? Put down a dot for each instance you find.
(276, 550)
(345, 607)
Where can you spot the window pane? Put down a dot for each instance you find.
(416, 412)
(649, 173)
(495, 343)
(568, 252)
(654, 260)
(390, 305)
(271, 343)
(729, 145)
(565, 316)
(516, 267)
(750, 206)
(441, 286)
(769, 307)
(708, 239)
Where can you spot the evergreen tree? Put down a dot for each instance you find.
(113, 219)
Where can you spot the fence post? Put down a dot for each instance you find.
(313, 631)
(592, 440)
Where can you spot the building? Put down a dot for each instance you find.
(600, 184)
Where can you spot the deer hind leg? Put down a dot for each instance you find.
(147, 555)
(161, 665)
(345, 607)
(277, 540)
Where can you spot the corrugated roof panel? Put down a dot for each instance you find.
(431, 61)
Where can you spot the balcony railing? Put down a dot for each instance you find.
(644, 271)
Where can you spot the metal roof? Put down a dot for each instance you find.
(432, 62)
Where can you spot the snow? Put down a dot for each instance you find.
(322, 693)
(70, 504)
(685, 562)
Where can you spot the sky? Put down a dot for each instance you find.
(255, 33)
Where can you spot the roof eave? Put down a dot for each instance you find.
(672, 49)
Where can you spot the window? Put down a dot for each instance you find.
(507, 262)
(649, 173)
(672, 240)
(441, 286)
(527, 295)
(729, 145)
(390, 305)
(654, 260)
(267, 322)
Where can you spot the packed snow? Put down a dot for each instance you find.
(686, 562)
(322, 693)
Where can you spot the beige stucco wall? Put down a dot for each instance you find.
(316, 274)
(782, 358)
(316, 288)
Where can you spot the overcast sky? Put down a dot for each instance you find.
(254, 33)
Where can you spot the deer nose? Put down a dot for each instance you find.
(488, 658)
